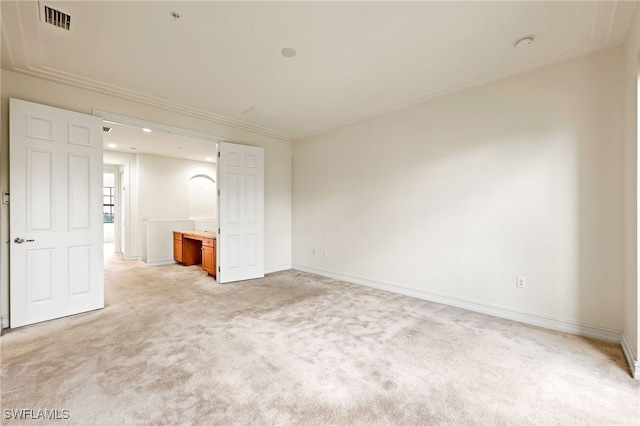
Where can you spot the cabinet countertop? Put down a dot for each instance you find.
(201, 234)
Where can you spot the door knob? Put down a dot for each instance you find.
(19, 240)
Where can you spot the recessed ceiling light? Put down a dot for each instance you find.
(111, 145)
(288, 52)
(146, 130)
(175, 15)
(523, 42)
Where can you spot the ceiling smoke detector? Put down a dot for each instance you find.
(55, 17)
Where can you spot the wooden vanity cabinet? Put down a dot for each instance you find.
(209, 256)
(194, 248)
(177, 246)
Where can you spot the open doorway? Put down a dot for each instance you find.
(111, 209)
(159, 169)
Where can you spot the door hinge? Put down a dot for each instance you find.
(218, 269)
(218, 230)
(218, 192)
(5, 197)
(218, 154)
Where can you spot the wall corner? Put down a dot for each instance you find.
(631, 357)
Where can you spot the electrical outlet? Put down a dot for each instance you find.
(521, 282)
(326, 253)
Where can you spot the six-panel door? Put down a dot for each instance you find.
(55, 213)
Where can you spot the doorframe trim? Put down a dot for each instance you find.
(114, 169)
(137, 122)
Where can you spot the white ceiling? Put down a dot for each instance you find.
(354, 59)
(133, 140)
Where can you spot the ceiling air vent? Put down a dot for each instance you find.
(106, 129)
(263, 113)
(55, 17)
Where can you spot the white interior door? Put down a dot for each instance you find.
(240, 245)
(55, 213)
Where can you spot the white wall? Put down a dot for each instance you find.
(630, 326)
(457, 196)
(203, 197)
(163, 190)
(160, 239)
(163, 185)
(277, 157)
(109, 232)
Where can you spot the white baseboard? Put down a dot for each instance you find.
(5, 321)
(496, 311)
(267, 269)
(277, 268)
(632, 359)
(161, 262)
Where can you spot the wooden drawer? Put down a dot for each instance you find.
(208, 242)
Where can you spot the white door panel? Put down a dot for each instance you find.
(56, 208)
(240, 242)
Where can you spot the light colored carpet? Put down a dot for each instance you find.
(174, 347)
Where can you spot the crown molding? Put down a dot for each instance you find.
(602, 24)
(47, 73)
(58, 76)
(467, 82)
(602, 28)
